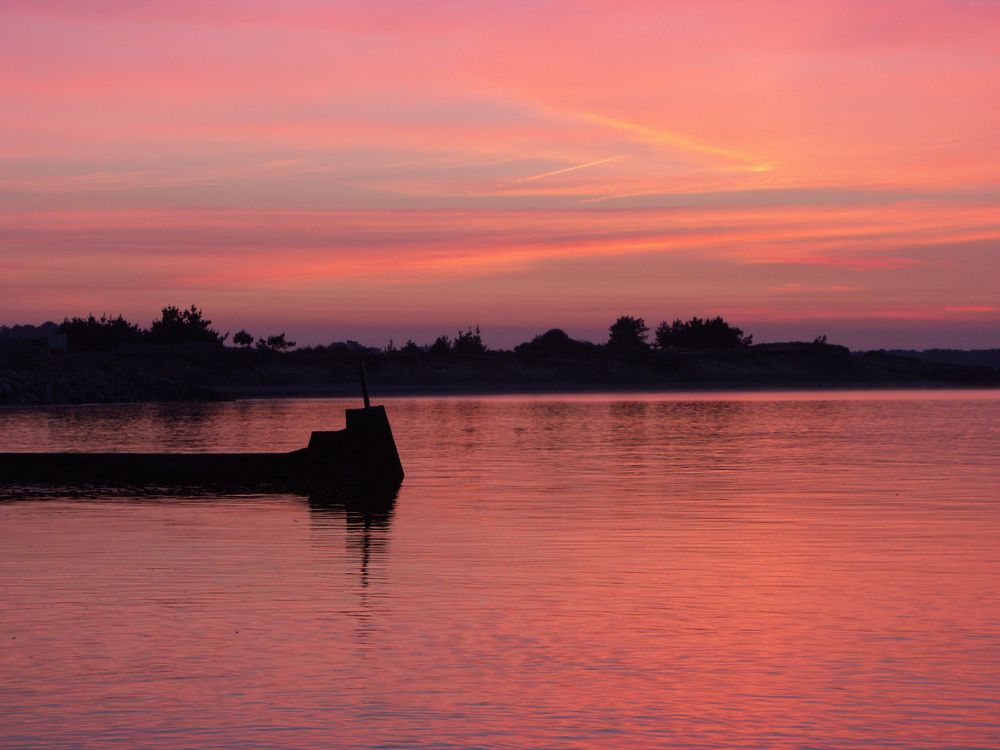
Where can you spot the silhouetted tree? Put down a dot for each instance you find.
(242, 338)
(628, 332)
(469, 343)
(99, 334)
(177, 326)
(276, 343)
(554, 343)
(390, 347)
(410, 347)
(350, 348)
(441, 345)
(699, 333)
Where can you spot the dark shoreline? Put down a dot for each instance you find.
(503, 390)
(207, 373)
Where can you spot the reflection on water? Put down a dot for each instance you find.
(367, 519)
(767, 570)
(365, 522)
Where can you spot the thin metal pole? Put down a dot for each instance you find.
(364, 385)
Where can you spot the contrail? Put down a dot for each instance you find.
(569, 169)
(675, 140)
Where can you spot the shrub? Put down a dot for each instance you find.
(276, 343)
(698, 333)
(99, 334)
(243, 338)
(554, 343)
(177, 326)
(441, 345)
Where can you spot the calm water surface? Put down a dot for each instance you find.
(809, 570)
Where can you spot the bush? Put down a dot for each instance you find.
(410, 347)
(441, 345)
(554, 343)
(102, 334)
(698, 333)
(177, 326)
(243, 338)
(276, 343)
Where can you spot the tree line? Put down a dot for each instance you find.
(177, 326)
(697, 333)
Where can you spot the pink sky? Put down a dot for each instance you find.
(398, 169)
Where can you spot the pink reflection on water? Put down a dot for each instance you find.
(709, 571)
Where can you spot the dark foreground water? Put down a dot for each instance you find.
(768, 570)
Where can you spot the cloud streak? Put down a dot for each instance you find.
(567, 170)
(675, 141)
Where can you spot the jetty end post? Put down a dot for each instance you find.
(364, 385)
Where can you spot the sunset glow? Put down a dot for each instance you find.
(396, 169)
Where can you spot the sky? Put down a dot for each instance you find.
(402, 169)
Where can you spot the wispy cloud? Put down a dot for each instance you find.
(797, 288)
(971, 308)
(574, 168)
(676, 141)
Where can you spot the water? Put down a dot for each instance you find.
(810, 570)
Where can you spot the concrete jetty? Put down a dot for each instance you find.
(362, 455)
